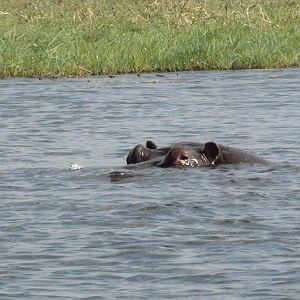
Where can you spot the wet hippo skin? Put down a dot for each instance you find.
(187, 154)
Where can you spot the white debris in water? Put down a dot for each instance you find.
(75, 167)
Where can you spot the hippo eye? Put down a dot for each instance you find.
(183, 157)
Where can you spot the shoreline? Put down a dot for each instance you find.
(141, 74)
(88, 38)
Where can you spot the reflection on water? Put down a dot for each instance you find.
(105, 232)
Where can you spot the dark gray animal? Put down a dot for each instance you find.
(187, 154)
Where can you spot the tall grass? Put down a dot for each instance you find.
(88, 37)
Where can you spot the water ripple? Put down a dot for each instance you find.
(107, 232)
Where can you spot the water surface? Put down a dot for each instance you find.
(223, 233)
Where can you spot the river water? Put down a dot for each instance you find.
(225, 233)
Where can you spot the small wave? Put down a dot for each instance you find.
(116, 176)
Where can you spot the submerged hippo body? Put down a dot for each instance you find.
(188, 155)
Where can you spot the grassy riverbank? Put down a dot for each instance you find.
(87, 37)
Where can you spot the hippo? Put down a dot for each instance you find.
(189, 154)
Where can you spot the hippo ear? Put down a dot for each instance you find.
(151, 145)
(212, 151)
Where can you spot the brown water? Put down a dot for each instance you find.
(222, 233)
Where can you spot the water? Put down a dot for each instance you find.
(223, 233)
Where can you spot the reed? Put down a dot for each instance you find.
(89, 37)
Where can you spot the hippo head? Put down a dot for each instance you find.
(138, 154)
(189, 154)
(186, 156)
(141, 153)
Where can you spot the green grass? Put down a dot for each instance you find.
(89, 37)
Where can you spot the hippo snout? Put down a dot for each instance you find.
(180, 157)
